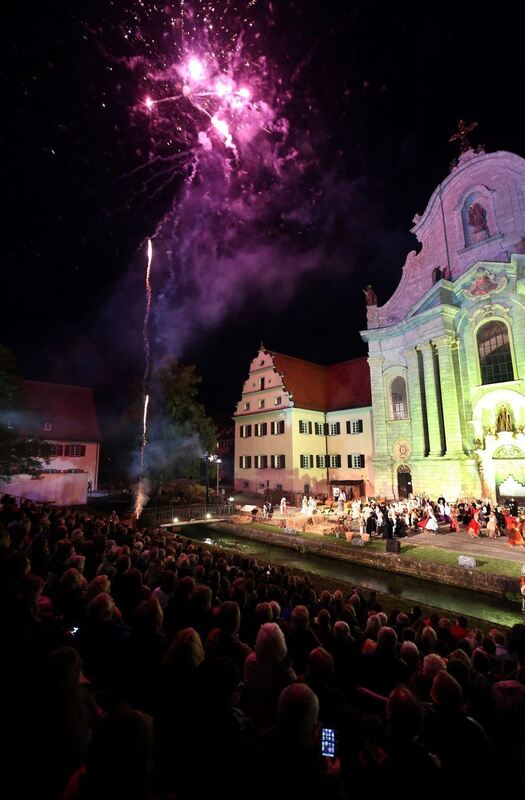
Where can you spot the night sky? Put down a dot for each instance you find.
(374, 89)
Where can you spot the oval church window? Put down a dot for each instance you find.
(495, 359)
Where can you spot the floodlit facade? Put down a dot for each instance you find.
(303, 428)
(65, 416)
(447, 350)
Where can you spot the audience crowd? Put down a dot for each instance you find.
(136, 664)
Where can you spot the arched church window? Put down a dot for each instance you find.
(495, 359)
(398, 396)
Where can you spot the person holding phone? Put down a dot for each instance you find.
(290, 754)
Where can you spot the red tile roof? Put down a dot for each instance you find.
(303, 379)
(348, 384)
(339, 386)
(69, 409)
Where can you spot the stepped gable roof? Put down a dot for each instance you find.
(348, 384)
(69, 409)
(319, 388)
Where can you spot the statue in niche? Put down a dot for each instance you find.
(477, 218)
(504, 420)
(370, 296)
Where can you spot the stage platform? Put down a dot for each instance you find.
(462, 543)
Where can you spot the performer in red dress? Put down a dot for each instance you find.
(512, 529)
(473, 527)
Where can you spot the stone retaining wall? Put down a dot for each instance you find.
(463, 578)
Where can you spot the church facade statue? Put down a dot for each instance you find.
(370, 296)
(504, 420)
(477, 217)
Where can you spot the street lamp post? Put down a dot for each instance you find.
(207, 462)
(218, 461)
(211, 458)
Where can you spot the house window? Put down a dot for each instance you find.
(47, 426)
(354, 426)
(307, 462)
(261, 384)
(261, 404)
(495, 360)
(277, 401)
(246, 431)
(245, 462)
(334, 461)
(277, 427)
(305, 427)
(277, 462)
(260, 462)
(335, 428)
(319, 428)
(246, 407)
(356, 461)
(57, 449)
(75, 450)
(261, 363)
(260, 428)
(321, 462)
(398, 394)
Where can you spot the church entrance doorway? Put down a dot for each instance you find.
(404, 482)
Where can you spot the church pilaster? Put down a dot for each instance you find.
(431, 400)
(449, 395)
(414, 399)
(378, 404)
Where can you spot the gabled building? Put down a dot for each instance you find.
(302, 427)
(66, 417)
(447, 350)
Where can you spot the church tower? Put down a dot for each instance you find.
(447, 350)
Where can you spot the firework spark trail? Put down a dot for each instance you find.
(145, 332)
(140, 492)
(188, 183)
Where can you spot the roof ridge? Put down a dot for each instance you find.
(52, 383)
(296, 358)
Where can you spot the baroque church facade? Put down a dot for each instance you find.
(447, 350)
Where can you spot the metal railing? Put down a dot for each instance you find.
(171, 515)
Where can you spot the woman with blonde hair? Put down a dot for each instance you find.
(267, 671)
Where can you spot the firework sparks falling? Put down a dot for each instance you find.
(141, 496)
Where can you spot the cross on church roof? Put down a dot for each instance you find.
(462, 135)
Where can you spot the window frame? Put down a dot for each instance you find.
(396, 414)
(484, 324)
(351, 424)
(70, 450)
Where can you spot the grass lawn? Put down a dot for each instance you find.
(493, 566)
